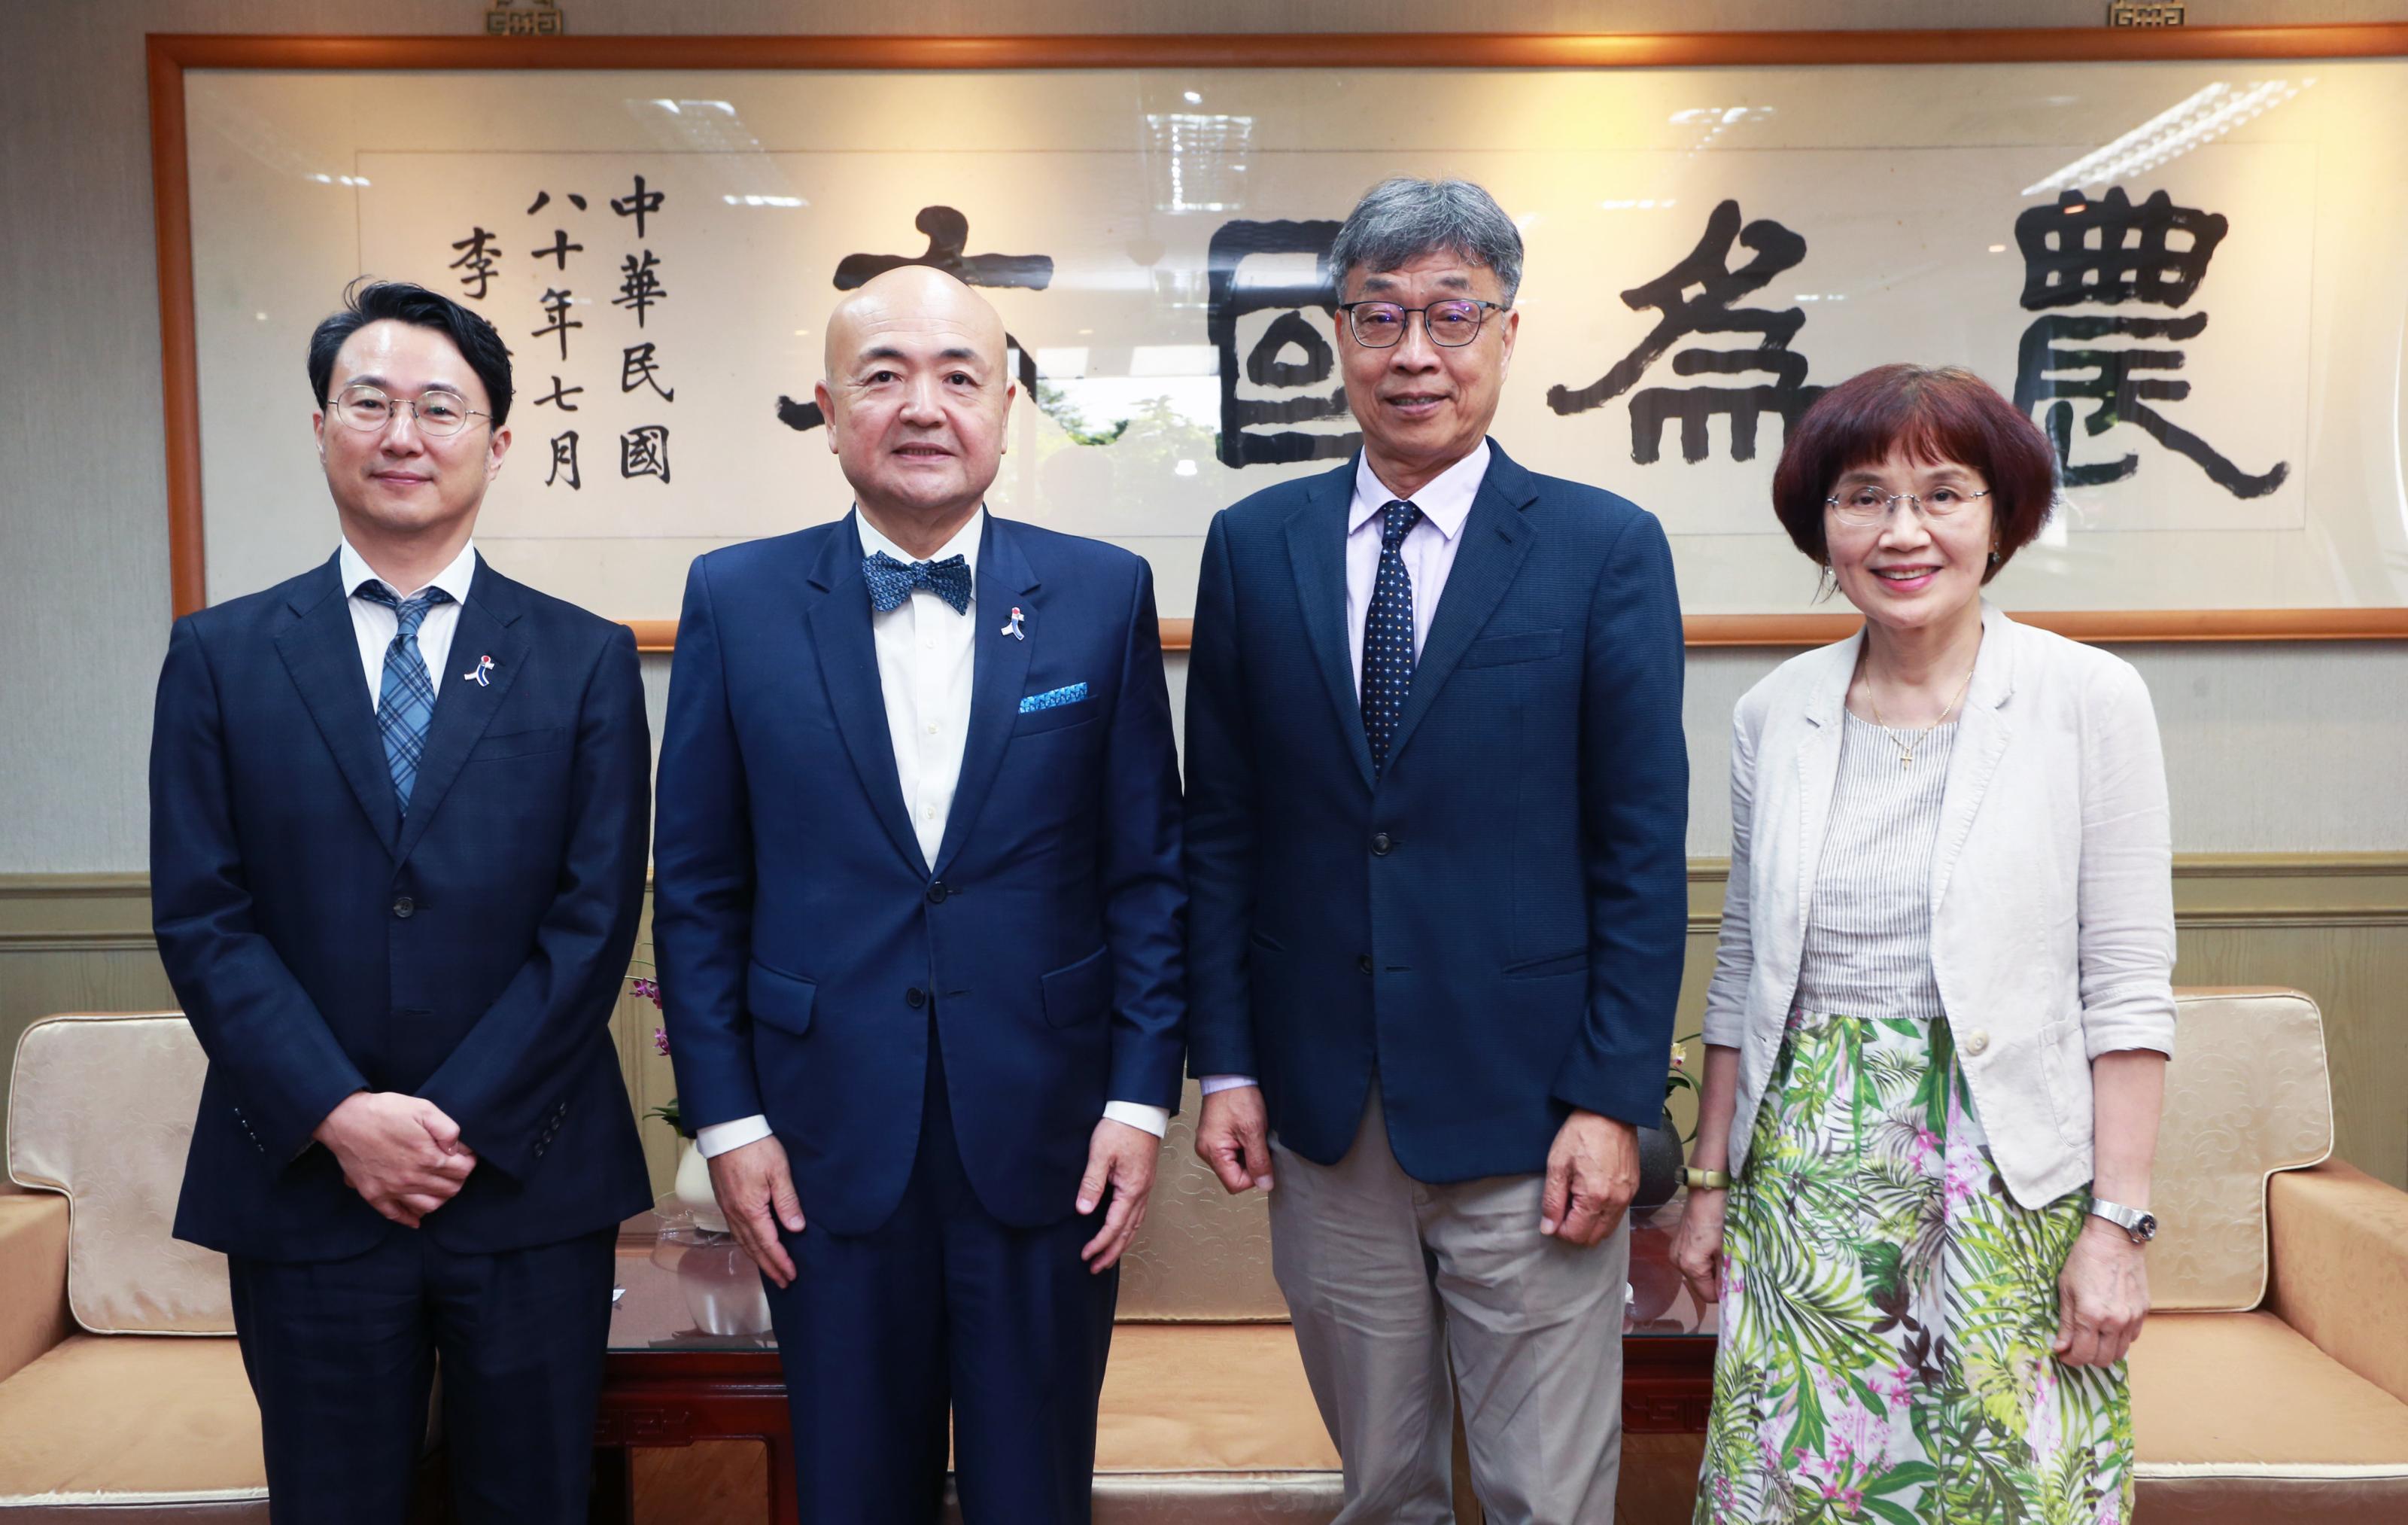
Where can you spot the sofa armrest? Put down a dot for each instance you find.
(2340, 1272)
(33, 1276)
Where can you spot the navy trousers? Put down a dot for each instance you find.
(341, 1354)
(944, 1307)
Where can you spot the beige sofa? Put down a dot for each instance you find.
(2271, 1383)
(118, 1393)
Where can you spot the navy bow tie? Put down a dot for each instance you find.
(891, 582)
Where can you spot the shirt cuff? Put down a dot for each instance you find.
(714, 1139)
(1206, 1084)
(1154, 1120)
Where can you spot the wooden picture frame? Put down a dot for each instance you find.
(171, 57)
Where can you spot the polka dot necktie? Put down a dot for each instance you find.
(406, 698)
(1388, 634)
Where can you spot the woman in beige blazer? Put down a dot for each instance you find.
(1940, 1012)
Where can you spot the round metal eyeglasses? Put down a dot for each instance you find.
(1871, 505)
(369, 408)
(1454, 322)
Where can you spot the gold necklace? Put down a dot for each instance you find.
(1906, 749)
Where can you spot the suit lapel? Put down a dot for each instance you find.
(463, 708)
(1982, 736)
(1496, 537)
(321, 652)
(1818, 765)
(1316, 545)
(847, 647)
(999, 675)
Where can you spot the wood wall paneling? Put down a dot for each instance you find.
(2333, 925)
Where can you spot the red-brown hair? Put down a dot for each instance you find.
(1933, 415)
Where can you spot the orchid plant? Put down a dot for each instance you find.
(646, 987)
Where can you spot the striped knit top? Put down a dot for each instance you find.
(1869, 926)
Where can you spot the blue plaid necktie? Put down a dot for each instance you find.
(406, 702)
(891, 582)
(1388, 634)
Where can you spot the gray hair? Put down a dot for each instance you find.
(1401, 219)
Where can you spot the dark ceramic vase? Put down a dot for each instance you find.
(1659, 1163)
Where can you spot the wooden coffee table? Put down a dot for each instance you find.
(692, 1359)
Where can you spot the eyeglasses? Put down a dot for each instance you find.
(1454, 322)
(1871, 505)
(440, 414)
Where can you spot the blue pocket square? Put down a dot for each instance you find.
(1053, 698)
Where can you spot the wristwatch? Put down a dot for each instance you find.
(1705, 1180)
(2138, 1226)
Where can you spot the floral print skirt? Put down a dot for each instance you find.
(1888, 1309)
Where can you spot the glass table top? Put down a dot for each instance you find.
(685, 1288)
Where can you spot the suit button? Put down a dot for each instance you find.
(937, 893)
(1381, 844)
(404, 907)
(915, 998)
(1976, 1040)
(1364, 963)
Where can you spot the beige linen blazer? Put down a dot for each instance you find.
(2052, 894)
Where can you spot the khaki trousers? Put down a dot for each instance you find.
(1389, 1281)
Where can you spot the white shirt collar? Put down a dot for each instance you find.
(453, 580)
(1446, 501)
(964, 544)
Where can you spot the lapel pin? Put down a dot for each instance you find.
(482, 673)
(1012, 627)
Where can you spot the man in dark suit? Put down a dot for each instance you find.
(397, 830)
(1437, 799)
(919, 918)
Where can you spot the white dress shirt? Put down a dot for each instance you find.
(1428, 551)
(926, 662)
(374, 624)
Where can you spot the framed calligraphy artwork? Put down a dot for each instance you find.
(2182, 254)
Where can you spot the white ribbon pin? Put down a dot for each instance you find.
(481, 674)
(1012, 627)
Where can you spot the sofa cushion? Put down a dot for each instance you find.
(101, 1108)
(2340, 1267)
(2238, 1418)
(1205, 1398)
(33, 1277)
(2246, 1096)
(133, 1421)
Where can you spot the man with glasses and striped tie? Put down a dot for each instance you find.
(399, 809)
(1437, 795)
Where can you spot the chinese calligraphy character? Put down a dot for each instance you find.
(478, 254)
(2107, 252)
(640, 286)
(560, 248)
(564, 457)
(543, 199)
(644, 451)
(1299, 387)
(948, 234)
(639, 204)
(558, 396)
(555, 307)
(637, 367)
(1707, 273)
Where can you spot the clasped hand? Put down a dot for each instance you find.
(400, 1153)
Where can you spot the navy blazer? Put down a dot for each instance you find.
(802, 934)
(470, 952)
(1496, 922)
